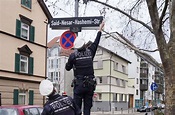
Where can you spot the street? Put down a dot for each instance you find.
(124, 113)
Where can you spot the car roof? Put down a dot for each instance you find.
(20, 106)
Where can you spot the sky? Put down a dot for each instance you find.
(114, 21)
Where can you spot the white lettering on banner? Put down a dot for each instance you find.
(63, 22)
(54, 23)
(61, 104)
(96, 21)
(74, 22)
(79, 22)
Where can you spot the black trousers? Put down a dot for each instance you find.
(84, 93)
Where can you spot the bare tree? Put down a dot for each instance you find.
(162, 14)
(166, 47)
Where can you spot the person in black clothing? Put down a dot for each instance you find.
(81, 61)
(57, 104)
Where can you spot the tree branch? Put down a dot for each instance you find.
(149, 50)
(163, 13)
(132, 18)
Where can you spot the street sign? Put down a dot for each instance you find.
(83, 22)
(67, 39)
(154, 86)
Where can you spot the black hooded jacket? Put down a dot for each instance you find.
(60, 105)
(82, 60)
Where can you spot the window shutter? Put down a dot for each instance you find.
(32, 34)
(23, 2)
(29, 3)
(31, 65)
(31, 95)
(17, 62)
(18, 28)
(15, 96)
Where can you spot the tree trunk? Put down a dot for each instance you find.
(167, 50)
(167, 54)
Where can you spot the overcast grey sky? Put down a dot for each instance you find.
(114, 21)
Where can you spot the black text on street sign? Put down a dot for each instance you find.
(59, 23)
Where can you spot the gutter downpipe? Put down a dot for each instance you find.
(46, 22)
(110, 83)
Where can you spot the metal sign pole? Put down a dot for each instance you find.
(76, 11)
(76, 8)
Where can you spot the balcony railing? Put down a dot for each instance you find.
(143, 76)
(143, 87)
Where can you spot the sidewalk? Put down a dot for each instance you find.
(124, 112)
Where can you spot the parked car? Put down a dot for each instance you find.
(144, 109)
(21, 110)
(161, 106)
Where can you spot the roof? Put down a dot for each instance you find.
(148, 58)
(52, 42)
(115, 54)
(55, 41)
(45, 9)
(90, 42)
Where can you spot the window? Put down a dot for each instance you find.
(20, 97)
(115, 66)
(56, 76)
(136, 91)
(24, 30)
(122, 83)
(52, 64)
(115, 96)
(137, 69)
(23, 64)
(137, 58)
(126, 97)
(51, 76)
(57, 64)
(99, 96)
(137, 80)
(123, 69)
(26, 3)
(121, 97)
(100, 79)
(118, 82)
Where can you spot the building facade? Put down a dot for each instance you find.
(22, 50)
(112, 91)
(150, 72)
(56, 59)
(141, 72)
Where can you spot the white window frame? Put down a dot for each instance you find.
(23, 94)
(25, 27)
(25, 61)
